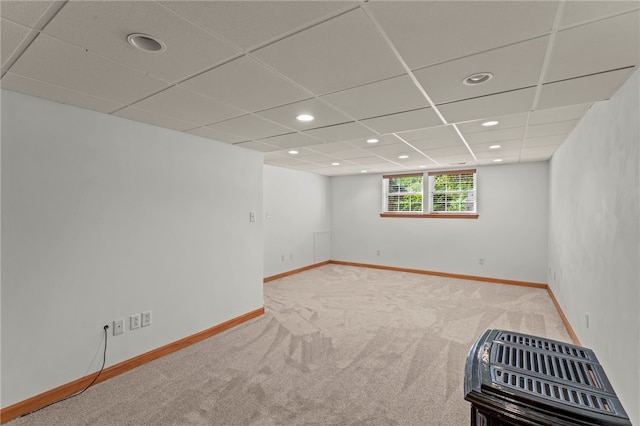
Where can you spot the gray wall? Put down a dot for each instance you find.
(594, 236)
(510, 234)
(103, 218)
(297, 222)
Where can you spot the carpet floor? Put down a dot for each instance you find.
(338, 345)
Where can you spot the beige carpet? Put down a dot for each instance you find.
(338, 345)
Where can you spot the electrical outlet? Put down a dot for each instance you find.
(134, 321)
(377, 252)
(118, 327)
(481, 261)
(146, 319)
(282, 257)
(252, 216)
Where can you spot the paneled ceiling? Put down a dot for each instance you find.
(239, 72)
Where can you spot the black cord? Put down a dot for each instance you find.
(104, 360)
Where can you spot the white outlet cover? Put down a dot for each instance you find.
(134, 322)
(146, 319)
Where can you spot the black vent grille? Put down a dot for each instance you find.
(545, 344)
(546, 389)
(547, 364)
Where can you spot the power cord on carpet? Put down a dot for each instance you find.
(104, 360)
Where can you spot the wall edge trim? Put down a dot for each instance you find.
(564, 318)
(24, 407)
(295, 271)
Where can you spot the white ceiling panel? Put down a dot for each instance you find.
(516, 101)
(458, 149)
(600, 46)
(103, 29)
(59, 94)
(341, 53)
(250, 23)
(246, 84)
(392, 151)
(368, 160)
(61, 64)
(382, 140)
(185, 105)
(435, 137)
(551, 129)
(430, 32)
(553, 115)
(12, 35)
(416, 119)
(597, 87)
(553, 140)
(257, 146)
(510, 145)
(384, 97)
(539, 151)
(513, 67)
(495, 135)
(286, 115)
(153, 118)
(504, 122)
(24, 12)
(291, 140)
(340, 132)
(582, 11)
(250, 127)
(454, 160)
(216, 135)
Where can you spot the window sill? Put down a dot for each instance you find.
(433, 215)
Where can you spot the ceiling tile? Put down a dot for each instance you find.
(185, 105)
(582, 11)
(250, 127)
(430, 32)
(384, 97)
(504, 153)
(247, 85)
(553, 115)
(216, 135)
(495, 135)
(513, 67)
(286, 115)
(340, 132)
(597, 87)
(291, 140)
(103, 26)
(539, 151)
(516, 101)
(510, 145)
(58, 63)
(458, 149)
(12, 36)
(24, 12)
(257, 146)
(416, 119)
(454, 159)
(504, 122)
(554, 140)
(153, 118)
(343, 52)
(435, 137)
(335, 148)
(551, 129)
(382, 140)
(55, 93)
(601, 46)
(249, 23)
(391, 150)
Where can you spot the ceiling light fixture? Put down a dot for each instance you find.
(305, 117)
(477, 78)
(490, 123)
(497, 160)
(293, 152)
(496, 146)
(335, 164)
(372, 140)
(146, 43)
(403, 157)
(423, 167)
(363, 171)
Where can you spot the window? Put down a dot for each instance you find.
(402, 193)
(449, 194)
(453, 191)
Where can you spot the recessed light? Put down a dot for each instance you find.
(477, 78)
(495, 146)
(372, 140)
(490, 123)
(293, 152)
(363, 171)
(304, 117)
(146, 43)
(403, 157)
(497, 160)
(423, 167)
(335, 164)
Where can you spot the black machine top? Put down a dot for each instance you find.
(541, 381)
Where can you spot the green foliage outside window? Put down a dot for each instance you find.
(405, 194)
(453, 192)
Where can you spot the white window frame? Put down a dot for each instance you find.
(387, 194)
